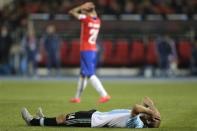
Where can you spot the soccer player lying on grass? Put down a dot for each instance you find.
(145, 115)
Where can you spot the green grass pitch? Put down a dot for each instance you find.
(177, 102)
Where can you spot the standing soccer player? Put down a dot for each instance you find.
(90, 26)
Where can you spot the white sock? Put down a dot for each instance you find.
(41, 121)
(96, 83)
(82, 83)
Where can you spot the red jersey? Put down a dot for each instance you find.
(89, 31)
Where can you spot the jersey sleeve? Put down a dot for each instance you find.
(135, 122)
(82, 17)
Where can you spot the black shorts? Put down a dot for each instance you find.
(79, 119)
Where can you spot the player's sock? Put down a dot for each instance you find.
(50, 122)
(82, 83)
(96, 83)
(44, 122)
(35, 122)
(39, 113)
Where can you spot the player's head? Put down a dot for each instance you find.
(88, 8)
(153, 123)
(50, 29)
(4, 31)
(150, 122)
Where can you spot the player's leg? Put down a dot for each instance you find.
(40, 121)
(82, 83)
(39, 113)
(79, 119)
(96, 83)
(90, 59)
(76, 119)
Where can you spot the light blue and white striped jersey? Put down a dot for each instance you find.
(116, 118)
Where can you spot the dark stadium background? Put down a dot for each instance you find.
(128, 38)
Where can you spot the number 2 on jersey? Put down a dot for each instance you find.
(93, 36)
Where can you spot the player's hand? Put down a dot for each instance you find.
(148, 102)
(87, 6)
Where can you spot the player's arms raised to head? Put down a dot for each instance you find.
(75, 12)
(137, 109)
(147, 102)
(86, 6)
(150, 104)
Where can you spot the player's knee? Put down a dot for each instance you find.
(89, 76)
(61, 119)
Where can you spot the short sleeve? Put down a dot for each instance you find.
(135, 122)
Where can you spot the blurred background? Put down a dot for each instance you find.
(140, 38)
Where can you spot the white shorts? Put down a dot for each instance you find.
(114, 118)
